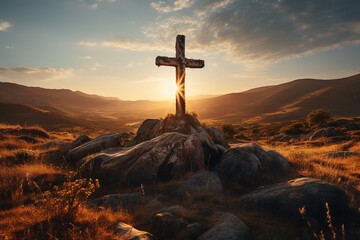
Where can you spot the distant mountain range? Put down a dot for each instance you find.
(288, 101)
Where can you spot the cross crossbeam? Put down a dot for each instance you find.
(180, 62)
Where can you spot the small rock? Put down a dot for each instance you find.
(228, 227)
(325, 132)
(80, 140)
(203, 182)
(154, 205)
(166, 225)
(125, 231)
(54, 144)
(29, 139)
(124, 201)
(191, 231)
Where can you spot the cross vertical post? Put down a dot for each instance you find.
(180, 75)
(180, 62)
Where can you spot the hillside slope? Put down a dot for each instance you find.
(285, 101)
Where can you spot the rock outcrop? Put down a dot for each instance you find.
(159, 159)
(187, 124)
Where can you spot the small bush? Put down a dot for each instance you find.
(66, 200)
(295, 128)
(318, 117)
(193, 114)
(25, 155)
(229, 130)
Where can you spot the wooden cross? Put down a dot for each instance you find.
(180, 62)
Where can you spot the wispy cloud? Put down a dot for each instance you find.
(132, 64)
(4, 25)
(86, 57)
(132, 45)
(96, 66)
(94, 6)
(33, 73)
(88, 44)
(177, 5)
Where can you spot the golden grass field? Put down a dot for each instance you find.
(31, 208)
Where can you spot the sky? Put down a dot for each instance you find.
(108, 47)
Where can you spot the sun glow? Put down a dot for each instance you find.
(170, 90)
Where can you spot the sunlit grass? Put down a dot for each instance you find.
(318, 162)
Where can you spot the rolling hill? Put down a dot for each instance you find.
(287, 101)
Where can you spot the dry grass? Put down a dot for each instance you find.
(321, 163)
(24, 218)
(31, 222)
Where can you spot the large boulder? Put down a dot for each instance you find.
(243, 162)
(162, 158)
(202, 182)
(227, 227)
(125, 231)
(284, 200)
(102, 142)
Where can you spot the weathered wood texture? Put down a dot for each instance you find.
(180, 62)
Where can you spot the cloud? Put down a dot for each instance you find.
(86, 57)
(94, 6)
(132, 64)
(96, 66)
(33, 73)
(4, 25)
(132, 45)
(177, 5)
(88, 44)
(262, 30)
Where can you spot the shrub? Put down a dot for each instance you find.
(66, 200)
(228, 129)
(25, 155)
(318, 117)
(295, 128)
(193, 114)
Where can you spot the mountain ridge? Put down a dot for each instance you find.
(282, 102)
